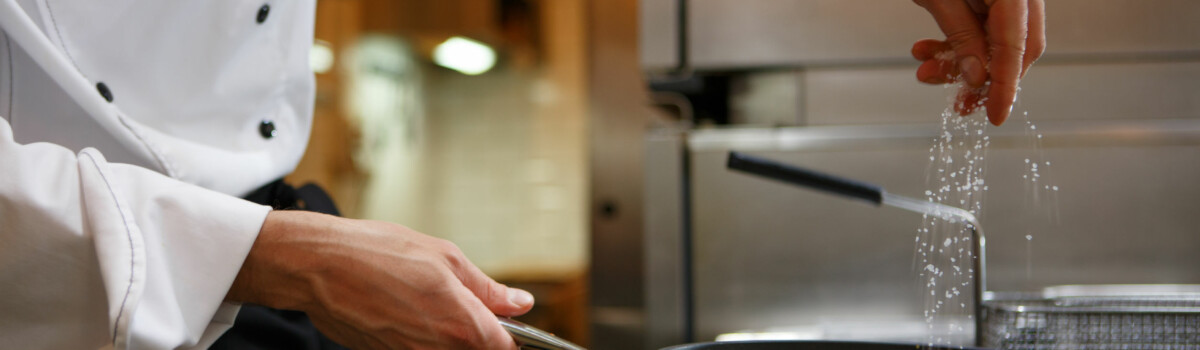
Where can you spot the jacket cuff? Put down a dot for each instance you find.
(195, 241)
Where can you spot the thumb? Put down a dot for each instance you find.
(500, 299)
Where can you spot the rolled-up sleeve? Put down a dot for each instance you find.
(96, 254)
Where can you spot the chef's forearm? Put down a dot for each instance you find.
(275, 270)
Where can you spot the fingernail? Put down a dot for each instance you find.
(519, 297)
(972, 71)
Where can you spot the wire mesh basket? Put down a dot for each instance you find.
(1156, 317)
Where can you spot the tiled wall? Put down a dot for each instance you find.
(495, 163)
(498, 170)
(507, 157)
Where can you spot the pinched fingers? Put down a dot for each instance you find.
(928, 49)
(965, 36)
(937, 68)
(996, 40)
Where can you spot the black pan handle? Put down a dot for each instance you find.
(804, 177)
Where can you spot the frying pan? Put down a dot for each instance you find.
(805, 345)
(535, 339)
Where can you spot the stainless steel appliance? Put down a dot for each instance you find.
(829, 84)
(776, 259)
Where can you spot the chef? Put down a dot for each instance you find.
(130, 130)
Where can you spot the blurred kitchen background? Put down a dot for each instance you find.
(576, 148)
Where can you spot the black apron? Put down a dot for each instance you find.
(262, 328)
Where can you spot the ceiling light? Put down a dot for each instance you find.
(320, 57)
(467, 56)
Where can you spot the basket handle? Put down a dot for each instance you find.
(805, 177)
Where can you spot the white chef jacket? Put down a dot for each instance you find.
(127, 130)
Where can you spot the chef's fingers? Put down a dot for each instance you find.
(502, 300)
(968, 100)
(487, 326)
(934, 69)
(979, 7)
(928, 49)
(937, 71)
(1008, 27)
(964, 34)
(1036, 44)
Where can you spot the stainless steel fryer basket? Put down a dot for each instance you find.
(1148, 319)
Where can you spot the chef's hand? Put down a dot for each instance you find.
(1005, 36)
(376, 285)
